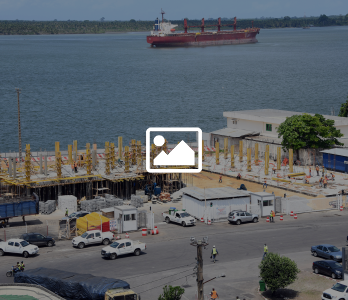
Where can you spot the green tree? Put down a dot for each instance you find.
(171, 293)
(323, 19)
(278, 271)
(306, 131)
(344, 109)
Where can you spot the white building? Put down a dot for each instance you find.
(260, 126)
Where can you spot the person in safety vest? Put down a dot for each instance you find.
(66, 212)
(265, 251)
(22, 266)
(214, 294)
(214, 252)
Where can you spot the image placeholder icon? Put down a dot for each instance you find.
(181, 155)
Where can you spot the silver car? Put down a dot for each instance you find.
(238, 217)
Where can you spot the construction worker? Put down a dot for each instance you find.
(22, 266)
(271, 216)
(72, 167)
(220, 179)
(265, 184)
(321, 182)
(265, 251)
(323, 171)
(75, 166)
(317, 169)
(214, 294)
(325, 182)
(310, 172)
(66, 212)
(333, 176)
(214, 252)
(274, 170)
(239, 176)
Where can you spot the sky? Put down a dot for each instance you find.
(175, 10)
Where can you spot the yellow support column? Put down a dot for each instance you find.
(59, 164)
(232, 156)
(217, 153)
(256, 154)
(225, 148)
(88, 159)
(75, 149)
(291, 160)
(134, 153)
(27, 163)
(120, 148)
(249, 160)
(139, 156)
(107, 158)
(203, 153)
(126, 159)
(279, 158)
(267, 160)
(240, 150)
(112, 156)
(70, 160)
(57, 148)
(152, 155)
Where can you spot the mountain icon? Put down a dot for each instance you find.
(181, 155)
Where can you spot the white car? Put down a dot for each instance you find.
(178, 216)
(93, 237)
(121, 247)
(18, 246)
(339, 291)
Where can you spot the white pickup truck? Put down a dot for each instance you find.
(338, 291)
(18, 246)
(121, 247)
(178, 216)
(93, 237)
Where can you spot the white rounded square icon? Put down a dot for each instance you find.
(181, 155)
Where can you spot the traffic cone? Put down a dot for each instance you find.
(202, 219)
(341, 208)
(267, 220)
(292, 213)
(209, 222)
(127, 236)
(281, 218)
(295, 216)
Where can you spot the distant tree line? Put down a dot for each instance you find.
(79, 27)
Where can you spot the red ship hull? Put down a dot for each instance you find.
(205, 38)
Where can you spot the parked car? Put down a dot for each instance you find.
(238, 217)
(121, 247)
(327, 251)
(328, 267)
(76, 215)
(38, 239)
(339, 291)
(18, 246)
(178, 216)
(93, 237)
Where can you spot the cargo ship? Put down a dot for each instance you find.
(164, 35)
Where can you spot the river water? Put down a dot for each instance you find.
(94, 88)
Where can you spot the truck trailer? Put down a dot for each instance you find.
(70, 285)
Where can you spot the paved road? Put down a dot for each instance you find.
(170, 258)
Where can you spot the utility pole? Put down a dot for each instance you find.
(19, 127)
(199, 244)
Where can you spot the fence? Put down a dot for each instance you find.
(301, 205)
(50, 228)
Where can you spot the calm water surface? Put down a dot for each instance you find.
(94, 88)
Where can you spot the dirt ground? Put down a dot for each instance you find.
(308, 286)
(211, 180)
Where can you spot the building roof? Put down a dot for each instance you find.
(337, 151)
(125, 207)
(234, 132)
(275, 116)
(108, 209)
(215, 193)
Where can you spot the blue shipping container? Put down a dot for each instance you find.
(335, 162)
(18, 209)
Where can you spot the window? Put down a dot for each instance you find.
(133, 217)
(177, 215)
(127, 217)
(268, 127)
(39, 237)
(128, 244)
(121, 246)
(16, 244)
(10, 243)
(324, 249)
(265, 203)
(242, 214)
(248, 214)
(97, 234)
(91, 236)
(320, 247)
